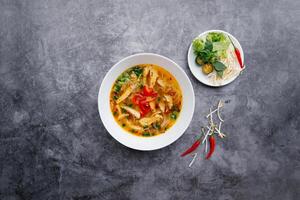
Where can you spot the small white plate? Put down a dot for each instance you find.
(155, 142)
(196, 70)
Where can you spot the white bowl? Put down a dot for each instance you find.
(155, 142)
(196, 70)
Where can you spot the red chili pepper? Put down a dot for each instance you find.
(137, 98)
(192, 148)
(212, 144)
(141, 100)
(237, 53)
(147, 100)
(147, 91)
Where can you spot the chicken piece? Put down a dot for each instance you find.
(147, 121)
(122, 116)
(162, 106)
(133, 77)
(169, 100)
(119, 109)
(161, 83)
(132, 126)
(152, 106)
(145, 74)
(165, 122)
(132, 111)
(125, 94)
(153, 77)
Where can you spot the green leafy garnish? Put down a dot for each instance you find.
(146, 134)
(219, 66)
(123, 78)
(215, 37)
(198, 45)
(115, 97)
(211, 51)
(208, 45)
(138, 71)
(173, 115)
(220, 73)
(117, 88)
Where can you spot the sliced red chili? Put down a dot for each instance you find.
(192, 148)
(147, 100)
(137, 98)
(147, 91)
(212, 144)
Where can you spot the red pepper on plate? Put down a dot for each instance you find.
(212, 144)
(237, 53)
(192, 148)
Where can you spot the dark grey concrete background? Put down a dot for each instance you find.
(54, 55)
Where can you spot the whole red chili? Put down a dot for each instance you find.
(192, 148)
(237, 53)
(212, 144)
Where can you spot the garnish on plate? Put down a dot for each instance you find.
(210, 51)
(207, 135)
(237, 53)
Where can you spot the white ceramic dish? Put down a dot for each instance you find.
(146, 143)
(196, 70)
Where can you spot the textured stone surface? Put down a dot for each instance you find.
(54, 55)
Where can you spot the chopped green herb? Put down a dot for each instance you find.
(123, 110)
(145, 127)
(115, 113)
(115, 97)
(117, 87)
(123, 125)
(138, 71)
(130, 105)
(174, 115)
(146, 134)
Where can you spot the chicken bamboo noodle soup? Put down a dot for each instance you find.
(146, 100)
